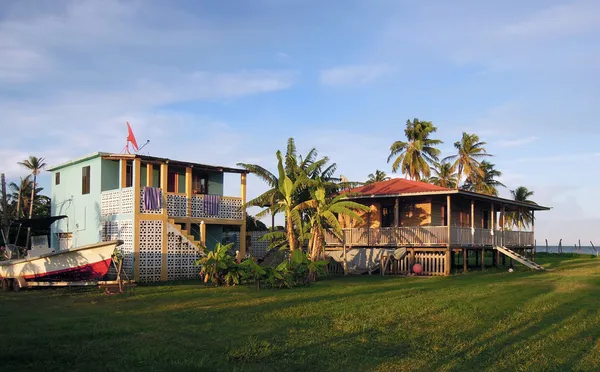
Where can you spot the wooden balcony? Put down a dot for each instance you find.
(428, 236)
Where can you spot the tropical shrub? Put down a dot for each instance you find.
(220, 268)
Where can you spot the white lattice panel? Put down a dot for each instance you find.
(143, 211)
(123, 230)
(181, 256)
(126, 234)
(110, 202)
(229, 208)
(150, 264)
(198, 206)
(127, 200)
(258, 247)
(177, 205)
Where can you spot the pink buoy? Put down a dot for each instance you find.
(417, 268)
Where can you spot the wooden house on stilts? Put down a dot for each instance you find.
(444, 230)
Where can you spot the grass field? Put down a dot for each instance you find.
(480, 321)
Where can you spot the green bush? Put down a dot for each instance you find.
(220, 268)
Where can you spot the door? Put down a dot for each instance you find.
(387, 215)
(486, 219)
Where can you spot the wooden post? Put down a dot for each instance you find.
(465, 260)
(411, 260)
(4, 222)
(533, 235)
(482, 258)
(243, 225)
(449, 244)
(503, 218)
(135, 181)
(123, 173)
(397, 212)
(149, 175)
(492, 228)
(472, 222)
(164, 182)
(203, 234)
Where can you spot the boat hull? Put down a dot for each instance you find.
(82, 263)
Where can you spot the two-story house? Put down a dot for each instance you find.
(164, 210)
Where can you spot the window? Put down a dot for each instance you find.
(57, 178)
(85, 180)
(171, 180)
(387, 216)
(129, 174)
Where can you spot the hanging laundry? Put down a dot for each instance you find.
(212, 204)
(152, 198)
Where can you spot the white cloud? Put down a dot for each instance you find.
(517, 142)
(350, 75)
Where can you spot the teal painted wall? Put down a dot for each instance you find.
(215, 183)
(110, 174)
(84, 219)
(143, 173)
(155, 177)
(214, 235)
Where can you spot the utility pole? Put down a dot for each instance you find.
(4, 220)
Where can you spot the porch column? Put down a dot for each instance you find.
(472, 222)
(242, 254)
(397, 212)
(492, 228)
(137, 165)
(519, 226)
(449, 241)
(533, 235)
(188, 194)
(149, 175)
(123, 173)
(163, 182)
(203, 233)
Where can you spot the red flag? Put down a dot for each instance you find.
(131, 137)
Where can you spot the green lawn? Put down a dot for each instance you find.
(492, 320)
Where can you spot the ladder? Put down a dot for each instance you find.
(519, 258)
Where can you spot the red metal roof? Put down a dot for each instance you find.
(397, 186)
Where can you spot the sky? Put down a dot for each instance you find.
(230, 81)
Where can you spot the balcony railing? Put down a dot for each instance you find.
(121, 201)
(428, 236)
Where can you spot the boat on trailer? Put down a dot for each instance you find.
(45, 266)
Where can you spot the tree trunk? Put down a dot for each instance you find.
(31, 208)
(290, 232)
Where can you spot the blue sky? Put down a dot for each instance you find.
(227, 82)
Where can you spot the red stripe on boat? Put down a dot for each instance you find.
(89, 271)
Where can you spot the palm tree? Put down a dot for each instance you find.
(35, 165)
(469, 150)
(524, 218)
(444, 175)
(19, 192)
(414, 156)
(378, 176)
(325, 211)
(486, 184)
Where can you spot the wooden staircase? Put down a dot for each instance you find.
(186, 234)
(519, 258)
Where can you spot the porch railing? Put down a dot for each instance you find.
(428, 236)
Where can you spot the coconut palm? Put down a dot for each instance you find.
(444, 175)
(469, 150)
(378, 176)
(413, 157)
(35, 165)
(486, 184)
(525, 218)
(18, 193)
